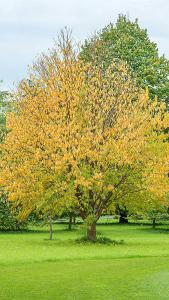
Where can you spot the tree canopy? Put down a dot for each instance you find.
(78, 135)
(127, 41)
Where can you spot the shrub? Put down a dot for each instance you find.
(99, 240)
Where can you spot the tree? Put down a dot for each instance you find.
(126, 41)
(155, 210)
(4, 107)
(77, 135)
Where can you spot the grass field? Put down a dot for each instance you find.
(32, 267)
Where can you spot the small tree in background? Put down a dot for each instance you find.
(155, 210)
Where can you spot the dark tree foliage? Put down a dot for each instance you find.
(8, 218)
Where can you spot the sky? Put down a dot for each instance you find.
(28, 27)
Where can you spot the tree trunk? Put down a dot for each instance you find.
(74, 220)
(154, 223)
(91, 232)
(70, 221)
(51, 229)
(123, 216)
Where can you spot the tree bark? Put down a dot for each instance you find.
(154, 223)
(74, 220)
(70, 221)
(123, 216)
(91, 232)
(51, 229)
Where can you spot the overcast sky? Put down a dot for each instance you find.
(28, 27)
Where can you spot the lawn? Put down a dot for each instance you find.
(32, 267)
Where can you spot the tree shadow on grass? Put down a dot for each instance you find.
(156, 230)
(38, 231)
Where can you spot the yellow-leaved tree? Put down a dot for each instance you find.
(78, 134)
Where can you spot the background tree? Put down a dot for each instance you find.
(75, 135)
(4, 106)
(155, 210)
(127, 41)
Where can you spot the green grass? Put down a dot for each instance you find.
(32, 267)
